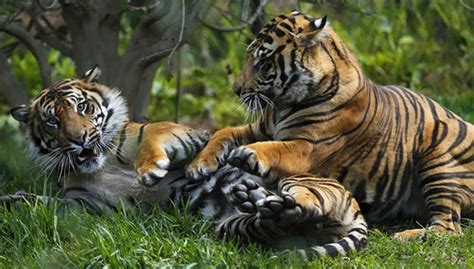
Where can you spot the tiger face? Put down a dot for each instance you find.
(70, 126)
(281, 66)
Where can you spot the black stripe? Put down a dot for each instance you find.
(278, 32)
(343, 243)
(286, 26)
(110, 113)
(358, 244)
(331, 251)
(140, 133)
(187, 151)
(441, 176)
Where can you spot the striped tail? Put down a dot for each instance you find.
(354, 241)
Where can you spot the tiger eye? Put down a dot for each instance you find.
(52, 121)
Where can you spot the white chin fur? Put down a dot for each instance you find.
(91, 166)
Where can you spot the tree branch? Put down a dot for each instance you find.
(50, 38)
(35, 47)
(155, 57)
(239, 27)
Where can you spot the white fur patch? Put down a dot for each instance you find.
(318, 23)
(163, 164)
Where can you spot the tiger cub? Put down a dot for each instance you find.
(401, 154)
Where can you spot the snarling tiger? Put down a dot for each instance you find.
(401, 154)
(80, 129)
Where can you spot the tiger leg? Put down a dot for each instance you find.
(163, 146)
(273, 160)
(444, 200)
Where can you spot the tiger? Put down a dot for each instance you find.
(79, 128)
(402, 155)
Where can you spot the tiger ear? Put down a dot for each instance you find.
(307, 38)
(20, 113)
(93, 74)
(319, 24)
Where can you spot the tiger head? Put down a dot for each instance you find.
(293, 58)
(71, 125)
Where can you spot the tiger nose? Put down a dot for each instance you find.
(78, 139)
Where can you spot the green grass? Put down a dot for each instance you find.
(34, 236)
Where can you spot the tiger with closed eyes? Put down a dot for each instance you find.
(80, 129)
(401, 154)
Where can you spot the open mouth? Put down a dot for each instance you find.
(87, 154)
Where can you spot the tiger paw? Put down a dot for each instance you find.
(249, 197)
(247, 160)
(150, 172)
(205, 165)
(409, 234)
(245, 195)
(281, 209)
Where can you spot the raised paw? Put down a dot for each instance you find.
(246, 194)
(247, 159)
(151, 172)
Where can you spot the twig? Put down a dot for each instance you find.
(466, 5)
(243, 25)
(150, 59)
